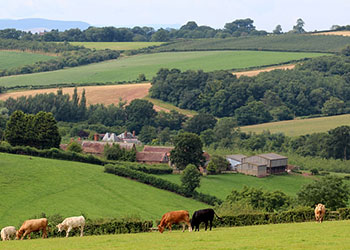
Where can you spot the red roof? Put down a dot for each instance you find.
(157, 149)
(160, 157)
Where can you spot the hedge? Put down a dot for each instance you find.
(160, 183)
(290, 216)
(97, 227)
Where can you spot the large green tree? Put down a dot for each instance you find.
(199, 123)
(16, 128)
(339, 142)
(190, 178)
(330, 191)
(139, 113)
(188, 150)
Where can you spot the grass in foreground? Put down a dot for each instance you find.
(309, 235)
(301, 126)
(129, 68)
(14, 59)
(32, 185)
(222, 185)
(116, 45)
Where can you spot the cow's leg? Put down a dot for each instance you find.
(169, 226)
(81, 231)
(189, 227)
(206, 225)
(68, 230)
(183, 227)
(211, 224)
(44, 233)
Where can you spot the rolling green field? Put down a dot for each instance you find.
(300, 126)
(308, 235)
(13, 59)
(129, 68)
(116, 45)
(32, 186)
(222, 185)
(285, 42)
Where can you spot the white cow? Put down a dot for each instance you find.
(72, 222)
(7, 232)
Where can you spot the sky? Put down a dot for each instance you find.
(317, 14)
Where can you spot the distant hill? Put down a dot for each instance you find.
(40, 24)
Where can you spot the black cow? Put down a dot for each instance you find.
(203, 215)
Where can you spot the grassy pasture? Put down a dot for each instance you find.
(285, 42)
(301, 126)
(14, 59)
(116, 45)
(222, 185)
(128, 68)
(309, 235)
(32, 186)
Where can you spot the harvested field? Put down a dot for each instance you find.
(258, 71)
(335, 33)
(107, 94)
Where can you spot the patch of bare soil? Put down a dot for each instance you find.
(258, 71)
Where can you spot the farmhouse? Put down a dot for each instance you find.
(125, 137)
(97, 147)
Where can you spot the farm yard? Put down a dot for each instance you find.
(128, 68)
(330, 235)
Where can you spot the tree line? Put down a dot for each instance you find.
(319, 86)
(69, 55)
(239, 27)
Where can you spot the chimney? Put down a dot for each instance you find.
(96, 137)
(125, 134)
(133, 133)
(79, 138)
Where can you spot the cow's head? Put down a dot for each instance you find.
(18, 234)
(160, 228)
(60, 227)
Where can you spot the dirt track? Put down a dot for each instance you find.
(256, 72)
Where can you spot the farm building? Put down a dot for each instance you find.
(125, 137)
(152, 157)
(251, 168)
(97, 147)
(274, 163)
(234, 161)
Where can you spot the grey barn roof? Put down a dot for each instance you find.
(272, 156)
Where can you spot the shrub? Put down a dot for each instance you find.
(74, 147)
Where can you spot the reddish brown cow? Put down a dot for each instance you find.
(34, 225)
(320, 211)
(175, 217)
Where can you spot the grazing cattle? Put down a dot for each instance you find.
(320, 211)
(175, 217)
(7, 232)
(72, 222)
(203, 215)
(34, 225)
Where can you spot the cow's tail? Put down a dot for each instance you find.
(217, 216)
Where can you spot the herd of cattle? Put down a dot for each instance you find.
(168, 219)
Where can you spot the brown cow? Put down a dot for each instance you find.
(34, 225)
(175, 217)
(320, 210)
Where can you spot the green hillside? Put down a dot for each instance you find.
(116, 45)
(309, 235)
(300, 126)
(286, 42)
(222, 185)
(129, 68)
(13, 59)
(30, 186)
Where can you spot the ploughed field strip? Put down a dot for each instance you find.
(129, 68)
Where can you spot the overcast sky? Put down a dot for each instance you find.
(317, 14)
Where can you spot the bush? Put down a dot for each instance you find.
(314, 171)
(74, 147)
